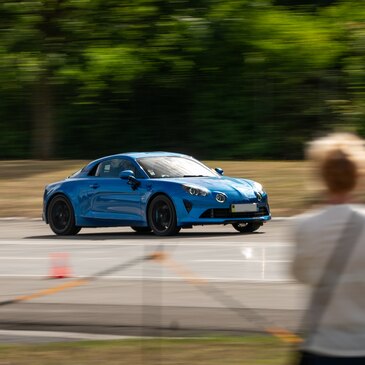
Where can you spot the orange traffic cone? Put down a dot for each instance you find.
(59, 266)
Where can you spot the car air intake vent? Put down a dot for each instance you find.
(188, 205)
(226, 213)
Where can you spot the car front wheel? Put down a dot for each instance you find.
(162, 216)
(61, 217)
(246, 227)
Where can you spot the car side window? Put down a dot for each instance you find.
(113, 167)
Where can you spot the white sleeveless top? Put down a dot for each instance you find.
(341, 331)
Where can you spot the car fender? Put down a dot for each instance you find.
(172, 194)
(59, 189)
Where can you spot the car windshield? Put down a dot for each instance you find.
(172, 167)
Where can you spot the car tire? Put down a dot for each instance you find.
(141, 229)
(162, 216)
(246, 227)
(61, 217)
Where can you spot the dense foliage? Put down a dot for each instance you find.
(215, 78)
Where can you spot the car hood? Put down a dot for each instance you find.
(227, 185)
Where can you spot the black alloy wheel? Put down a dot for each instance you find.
(246, 227)
(141, 229)
(162, 216)
(61, 217)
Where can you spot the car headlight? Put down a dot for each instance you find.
(195, 190)
(258, 188)
(259, 191)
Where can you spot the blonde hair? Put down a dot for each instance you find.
(339, 158)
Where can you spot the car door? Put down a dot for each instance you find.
(110, 197)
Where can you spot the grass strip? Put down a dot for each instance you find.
(250, 350)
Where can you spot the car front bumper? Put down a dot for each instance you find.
(200, 211)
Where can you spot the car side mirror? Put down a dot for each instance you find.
(219, 171)
(129, 175)
(126, 174)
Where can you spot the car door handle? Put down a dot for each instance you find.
(94, 186)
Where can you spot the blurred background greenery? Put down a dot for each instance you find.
(227, 79)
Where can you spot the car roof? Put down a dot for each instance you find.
(134, 155)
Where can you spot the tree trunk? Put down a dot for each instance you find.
(43, 127)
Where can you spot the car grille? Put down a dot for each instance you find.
(226, 213)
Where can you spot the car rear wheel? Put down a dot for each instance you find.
(61, 217)
(246, 227)
(162, 216)
(141, 229)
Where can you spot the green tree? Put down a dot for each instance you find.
(219, 79)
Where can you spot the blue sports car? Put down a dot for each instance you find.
(153, 191)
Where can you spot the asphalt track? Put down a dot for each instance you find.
(215, 280)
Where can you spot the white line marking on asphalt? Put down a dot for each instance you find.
(23, 258)
(161, 278)
(102, 243)
(14, 219)
(115, 258)
(47, 258)
(21, 219)
(67, 335)
(240, 260)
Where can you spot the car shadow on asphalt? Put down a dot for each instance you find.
(100, 236)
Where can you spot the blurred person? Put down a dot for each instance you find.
(330, 256)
